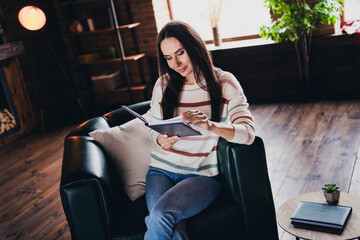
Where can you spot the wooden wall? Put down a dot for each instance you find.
(269, 72)
(16, 86)
(53, 93)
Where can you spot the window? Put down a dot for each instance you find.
(238, 18)
(351, 10)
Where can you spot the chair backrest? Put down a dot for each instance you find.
(121, 116)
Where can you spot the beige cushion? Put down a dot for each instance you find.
(129, 146)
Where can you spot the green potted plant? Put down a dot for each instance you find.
(331, 193)
(294, 21)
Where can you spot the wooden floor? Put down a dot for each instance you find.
(307, 145)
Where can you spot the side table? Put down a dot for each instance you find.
(352, 228)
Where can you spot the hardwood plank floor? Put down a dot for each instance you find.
(307, 145)
(30, 206)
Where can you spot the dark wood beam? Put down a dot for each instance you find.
(11, 49)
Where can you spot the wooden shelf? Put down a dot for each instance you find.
(113, 60)
(117, 90)
(77, 42)
(105, 30)
(66, 3)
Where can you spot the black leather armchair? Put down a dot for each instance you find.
(96, 207)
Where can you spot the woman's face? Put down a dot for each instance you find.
(177, 57)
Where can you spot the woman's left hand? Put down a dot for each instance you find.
(198, 118)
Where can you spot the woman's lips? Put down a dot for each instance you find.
(181, 70)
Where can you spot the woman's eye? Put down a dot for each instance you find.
(181, 53)
(168, 59)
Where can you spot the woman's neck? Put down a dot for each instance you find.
(190, 80)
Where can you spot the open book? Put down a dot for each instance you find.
(170, 127)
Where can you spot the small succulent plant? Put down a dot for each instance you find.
(330, 188)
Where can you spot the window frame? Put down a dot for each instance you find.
(342, 17)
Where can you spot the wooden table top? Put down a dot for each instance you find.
(352, 228)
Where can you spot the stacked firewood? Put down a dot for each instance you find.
(7, 120)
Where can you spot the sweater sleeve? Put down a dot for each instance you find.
(237, 110)
(156, 113)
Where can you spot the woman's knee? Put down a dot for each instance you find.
(164, 214)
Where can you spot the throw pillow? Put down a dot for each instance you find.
(129, 146)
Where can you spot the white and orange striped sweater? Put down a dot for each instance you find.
(197, 154)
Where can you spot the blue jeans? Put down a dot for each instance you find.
(171, 198)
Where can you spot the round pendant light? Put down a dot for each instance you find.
(32, 18)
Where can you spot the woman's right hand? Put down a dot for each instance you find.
(166, 142)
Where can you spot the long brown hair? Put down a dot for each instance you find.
(202, 66)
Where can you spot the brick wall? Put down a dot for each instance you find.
(153, 15)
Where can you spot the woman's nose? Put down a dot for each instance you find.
(177, 62)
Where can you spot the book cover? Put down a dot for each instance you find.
(324, 215)
(171, 127)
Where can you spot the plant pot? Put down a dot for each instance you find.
(217, 39)
(333, 197)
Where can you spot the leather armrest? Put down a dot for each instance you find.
(245, 177)
(121, 116)
(90, 125)
(85, 189)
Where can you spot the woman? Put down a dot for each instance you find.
(183, 176)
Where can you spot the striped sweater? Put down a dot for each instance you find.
(197, 154)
